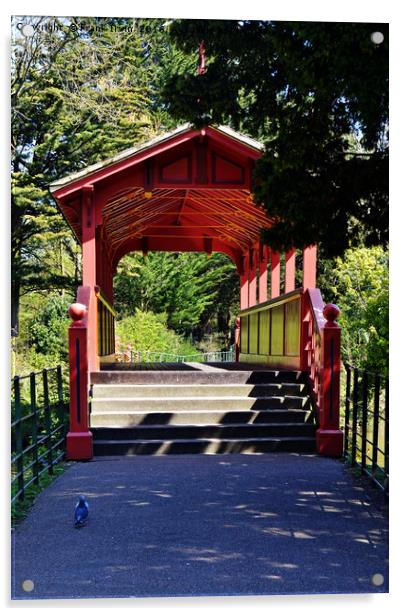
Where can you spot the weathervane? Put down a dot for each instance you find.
(201, 66)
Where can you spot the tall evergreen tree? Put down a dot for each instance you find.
(317, 95)
(81, 91)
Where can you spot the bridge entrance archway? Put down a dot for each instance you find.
(191, 190)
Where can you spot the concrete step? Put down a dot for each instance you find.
(188, 390)
(225, 403)
(232, 430)
(126, 376)
(204, 446)
(197, 417)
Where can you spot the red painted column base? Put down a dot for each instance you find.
(79, 445)
(330, 442)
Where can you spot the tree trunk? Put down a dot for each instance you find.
(15, 305)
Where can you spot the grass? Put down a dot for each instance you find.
(20, 508)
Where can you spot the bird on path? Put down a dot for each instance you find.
(81, 512)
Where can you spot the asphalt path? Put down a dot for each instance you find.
(201, 525)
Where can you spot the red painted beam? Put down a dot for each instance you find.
(290, 270)
(263, 274)
(252, 278)
(275, 274)
(309, 267)
(244, 284)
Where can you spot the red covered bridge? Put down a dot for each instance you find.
(190, 190)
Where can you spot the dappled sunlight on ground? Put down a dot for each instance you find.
(190, 524)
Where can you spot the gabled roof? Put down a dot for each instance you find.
(147, 145)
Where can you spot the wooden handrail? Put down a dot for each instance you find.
(281, 299)
(320, 345)
(101, 297)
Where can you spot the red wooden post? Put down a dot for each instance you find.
(309, 267)
(252, 278)
(329, 437)
(79, 440)
(237, 338)
(244, 283)
(88, 237)
(89, 270)
(263, 274)
(275, 274)
(290, 270)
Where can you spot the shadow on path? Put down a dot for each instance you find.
(192, 525)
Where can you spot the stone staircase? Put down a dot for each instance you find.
(210, 411)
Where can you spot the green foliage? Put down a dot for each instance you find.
(20, 509)
(43, 339)
(146, 331)
(317, 95)
(199, 294)
(359, 284)
(77, 96)
(49, 330)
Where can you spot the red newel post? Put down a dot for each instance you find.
(79, 440)
(329, 437)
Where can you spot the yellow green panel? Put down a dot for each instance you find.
(277, 328)
(292, 327)
(264, 331)
(244, 334)
(253, 341)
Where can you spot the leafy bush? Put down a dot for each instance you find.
(359, 284)
(146, 331)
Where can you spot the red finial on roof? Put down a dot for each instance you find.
(201, 66)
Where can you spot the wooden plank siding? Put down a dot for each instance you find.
(270, 332)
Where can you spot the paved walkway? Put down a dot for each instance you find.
(202, 525)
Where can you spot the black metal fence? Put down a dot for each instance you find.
(366, 424)
(39, 420)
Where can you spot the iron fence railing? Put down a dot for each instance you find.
(138, 357)
(39, 420)
(366, 424)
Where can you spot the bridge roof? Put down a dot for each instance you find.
(189, 189)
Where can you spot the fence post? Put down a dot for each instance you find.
(364, 419)
(329, 437)
(61, 405)
(347, 407)
(19, 438)
(47, 413)
(34, 427)
(387, 435)
(354, 419)
(377, 390)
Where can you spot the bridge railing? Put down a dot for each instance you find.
(105, 325)
(130, 355)
(366, 424)
(39, 420)
(297, 331)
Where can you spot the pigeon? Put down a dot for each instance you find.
(81, 512)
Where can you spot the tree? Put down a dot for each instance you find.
(198, 294)
(317, 95)
(81, 91)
